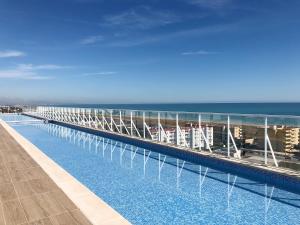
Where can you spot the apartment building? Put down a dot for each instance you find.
(187, 137)
(283, 139)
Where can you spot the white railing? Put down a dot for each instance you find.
(211, 132)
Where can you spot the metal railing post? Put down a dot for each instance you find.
(266, 140)
(200, 136)
(89, 118)
(120, 122)
(158, 126)
(131, 127)
(102, 112)
(228, 136)
(177, 131)
(78, 115)
(144, 127)
(111, 120)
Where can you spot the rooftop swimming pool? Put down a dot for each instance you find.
(147, 187)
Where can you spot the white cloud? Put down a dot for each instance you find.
(141, 17)
(11, 53)
(99, 73)
(200, 52)
(41, 67)
(38, 78)
(197, 32)
(14, 73)
(29, 72)
(21, 74)
(127, 29)
(212, 4)
(92, 39)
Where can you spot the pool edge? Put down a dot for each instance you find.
(93, 207)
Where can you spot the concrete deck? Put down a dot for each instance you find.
(35, 190)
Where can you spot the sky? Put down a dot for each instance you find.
(153, 51)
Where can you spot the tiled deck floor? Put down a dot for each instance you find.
(27, 194)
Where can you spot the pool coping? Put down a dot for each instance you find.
(94, 208)
(282, 178)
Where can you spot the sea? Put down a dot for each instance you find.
(240, 108)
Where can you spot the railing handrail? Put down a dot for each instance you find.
(83, 116)
(187, 112)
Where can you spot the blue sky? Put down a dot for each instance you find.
(126, 51)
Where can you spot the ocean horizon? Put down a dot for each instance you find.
(240, 108)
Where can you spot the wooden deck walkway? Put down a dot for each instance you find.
(27, 194)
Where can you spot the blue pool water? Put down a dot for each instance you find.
(151, 188)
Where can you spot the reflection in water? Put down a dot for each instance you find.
(179, 168)
(161, 163)
(103, 146)
(201, 179)
(230, 188)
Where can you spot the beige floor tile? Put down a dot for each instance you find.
(63, 200)
(17, 175)
(23, 189)
(7, 192)
(42, 185)
(35, 173)
(31, 163)
(45, 221)
(2, 166)
(11, 157)
(51, 205)
(79, 217)
(34, 210)
(14, 213)
(38, 207)
(63, 219)
(4, 176)
(19, 165)
(2, 221)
